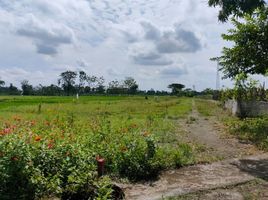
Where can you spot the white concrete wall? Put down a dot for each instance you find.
(247, 108)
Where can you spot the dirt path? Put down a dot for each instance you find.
(200, 178)
(210, 133)
(237, 168)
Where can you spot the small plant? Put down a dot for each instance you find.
(245, 89)
(70, 118)
(39, 108)
(190, 120)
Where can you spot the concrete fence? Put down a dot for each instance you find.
(247, 108)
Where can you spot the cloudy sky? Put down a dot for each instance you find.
(155, 41)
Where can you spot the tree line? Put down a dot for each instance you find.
(78, 82)
(72, 82)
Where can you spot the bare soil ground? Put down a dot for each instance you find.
(253, 190)
(227, 179)
(209, 132)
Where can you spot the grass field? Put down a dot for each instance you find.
(49, 145)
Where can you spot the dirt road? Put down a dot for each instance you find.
(237, 167)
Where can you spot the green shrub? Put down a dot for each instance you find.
(251, 129)
(34, 170)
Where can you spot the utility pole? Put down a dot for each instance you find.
(217, 59)
(218, 76)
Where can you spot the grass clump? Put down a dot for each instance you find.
(208, 108)
(254, 130)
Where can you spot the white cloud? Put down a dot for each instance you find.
(179, 40)
(16, 75)
(114, 38)
(175, 39)
(46, 36)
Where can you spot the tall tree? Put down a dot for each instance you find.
(2, 83)
(176, 87)
(12, 90)
(249, 55)
(236, 8)
(100, 88)
(51, 90)
(82, 80)
(131, 85)
(67, 81)
(115, 87)
(27, 89)
(92, 80)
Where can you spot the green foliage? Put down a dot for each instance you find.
(176, 87)
(131, 85)
(27, 89)
(251, 129)
(37, 169)
(53, 152)
(2, 83)
(246, 89)
(250, 50)
(127, 86)
(137, 160)
(67, 81)
(235, 7)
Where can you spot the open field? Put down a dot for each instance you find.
(49, 145)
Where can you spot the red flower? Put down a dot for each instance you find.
(50, 145)
(37, 138)
(33, 123)
(6, 131)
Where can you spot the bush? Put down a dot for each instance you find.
(136, 160)
(252, 129)
(35, 170)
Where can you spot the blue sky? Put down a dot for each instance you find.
(155, 41)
